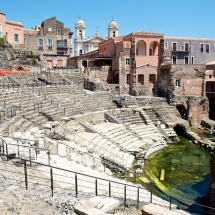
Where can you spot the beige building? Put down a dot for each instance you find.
(52, 41)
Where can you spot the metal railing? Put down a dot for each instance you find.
(53, 178)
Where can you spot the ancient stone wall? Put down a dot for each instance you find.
(10, 58)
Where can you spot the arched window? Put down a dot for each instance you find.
(80, 52)
(114, 33)
(80, 35)
(141, 48)
(153, 48)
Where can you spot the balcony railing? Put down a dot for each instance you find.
(50, 47)
(210, 90)
(40, 47)
(180, 50)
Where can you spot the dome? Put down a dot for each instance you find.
(80, 23)
(113, 24)
(97, 35)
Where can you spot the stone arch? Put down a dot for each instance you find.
(182, 110)
(141, 48)
(153, 48)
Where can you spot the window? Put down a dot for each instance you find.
(192, 60)
(61, 43)
(152, 78)
(40, 42)
(186, 47)
(114, 33)
(58, 31)
(207, 48)
(141, 79)
(49, 28)
(80, 52)
(166, 45)
(174, 46)
(16, 39)
(80, 35)
(127, 61)
(201, 47)
(49, 44)
(177, 83)
(174, 59)
(186, 60)
(210, 76)
(150, 52)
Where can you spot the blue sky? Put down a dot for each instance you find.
(184, 18)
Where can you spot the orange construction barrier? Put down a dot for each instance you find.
(9, 71)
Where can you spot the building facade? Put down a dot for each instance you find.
(12, 31)
(84, 45)
(188, 50)
(52, 41)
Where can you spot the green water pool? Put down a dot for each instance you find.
(187, 170)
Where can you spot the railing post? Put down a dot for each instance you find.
(30, 156)
(3, 146)
(52, 186)
(7, 151)
(48, 157)
(109, 189)
(76, 186)
(151, 197)
(170, 204)
(96, 186)
(125, 196)
(138, 197)
(18, 148)
(26, 176)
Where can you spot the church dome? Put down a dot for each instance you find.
(113, 24)
(80, 23)
(97, 35)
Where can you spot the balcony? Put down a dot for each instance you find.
(210, 90)
(50, 48)
(40, 47)
(181, 51)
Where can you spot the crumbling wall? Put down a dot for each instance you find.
(197, 109)
(11, 57)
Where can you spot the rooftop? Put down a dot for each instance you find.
(188, 38)
(14, 23)
(30, 31)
